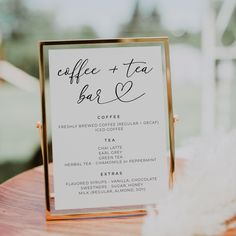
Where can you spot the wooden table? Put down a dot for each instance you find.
(22, 213)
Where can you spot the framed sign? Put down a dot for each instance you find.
(107, 112)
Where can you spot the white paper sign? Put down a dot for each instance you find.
(108, 126)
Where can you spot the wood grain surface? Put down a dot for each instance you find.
(22, 212)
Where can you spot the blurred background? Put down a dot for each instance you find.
(202, 34)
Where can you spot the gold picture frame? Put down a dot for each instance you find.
(51, 213)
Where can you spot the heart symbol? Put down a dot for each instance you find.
(123, 89)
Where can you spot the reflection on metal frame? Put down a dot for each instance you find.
(52, 214)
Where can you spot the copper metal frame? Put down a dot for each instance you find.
(112, 212)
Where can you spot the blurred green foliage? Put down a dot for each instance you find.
(22, 28)
(150, 25)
